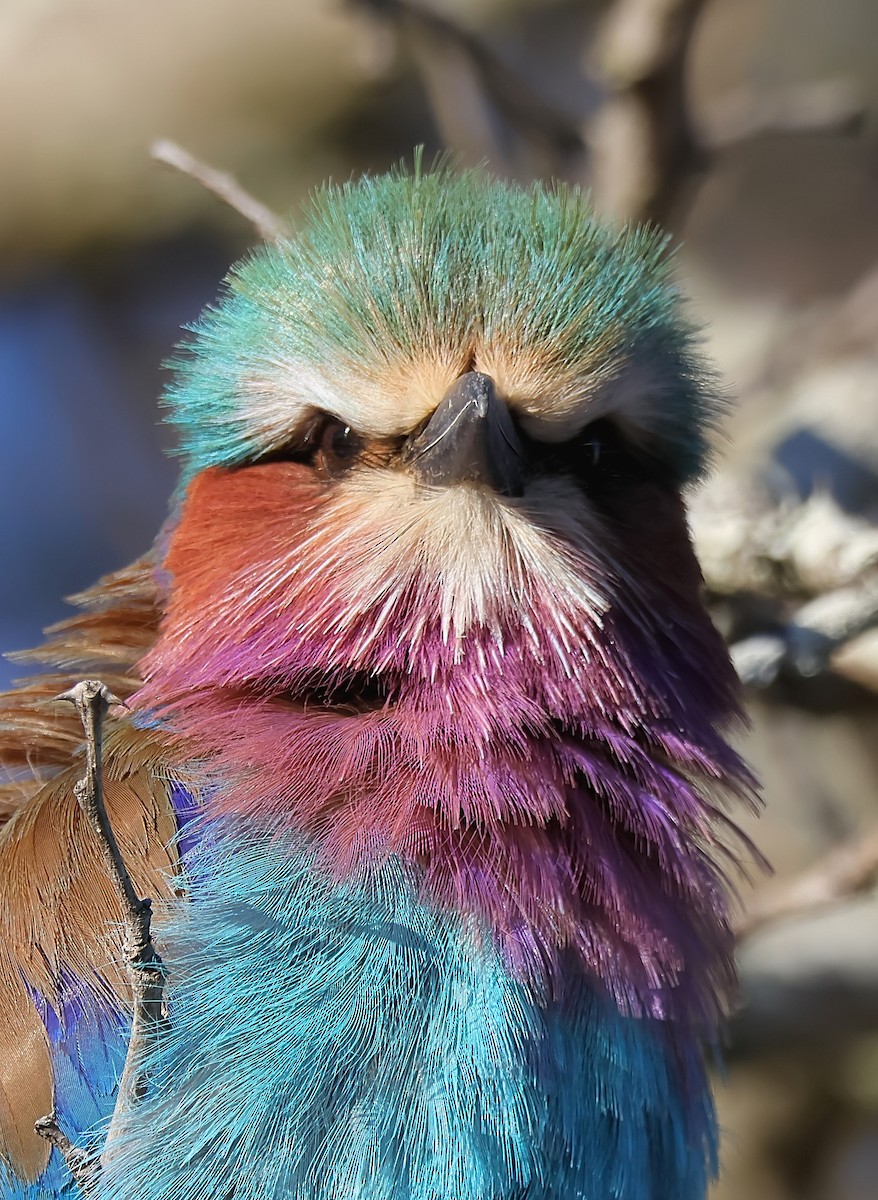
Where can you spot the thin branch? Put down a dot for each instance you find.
(267, 224)
(83, 1167)
(91, 699)
(849, 871)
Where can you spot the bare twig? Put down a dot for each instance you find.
(92, 699)
(83, 1167)
(266, 223)
(846, 872)
(148, 973)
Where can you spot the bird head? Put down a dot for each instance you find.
(429, 586)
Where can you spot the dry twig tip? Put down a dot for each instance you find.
(267, 224)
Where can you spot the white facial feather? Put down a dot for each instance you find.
(383, 540)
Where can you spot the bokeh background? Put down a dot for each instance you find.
(748, 128)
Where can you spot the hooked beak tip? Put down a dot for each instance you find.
(470, 437)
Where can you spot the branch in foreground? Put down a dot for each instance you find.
(846, 872)
(92, 699)
(84, 1167)
(267, 224)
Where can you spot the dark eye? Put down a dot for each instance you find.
(339, 444)
(324, 442)
(601, 454)
(601, 459)
(606, 460)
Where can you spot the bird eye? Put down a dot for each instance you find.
(598, 439)
(606, 459)
(600, 458)
(339, 444)
(325, 442)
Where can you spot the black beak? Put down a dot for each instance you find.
(469, 438)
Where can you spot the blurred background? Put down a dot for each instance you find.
(747, 128)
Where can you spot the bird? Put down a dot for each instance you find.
(426, 765)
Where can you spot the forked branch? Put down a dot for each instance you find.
(148, 976)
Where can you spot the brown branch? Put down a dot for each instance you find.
(641, 141)
(844, 873)
(828, 106)
(476, 98)
(267, 224)
(92, 699)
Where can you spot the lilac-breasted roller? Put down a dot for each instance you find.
(425, 766)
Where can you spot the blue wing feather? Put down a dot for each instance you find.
(88, 1042)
